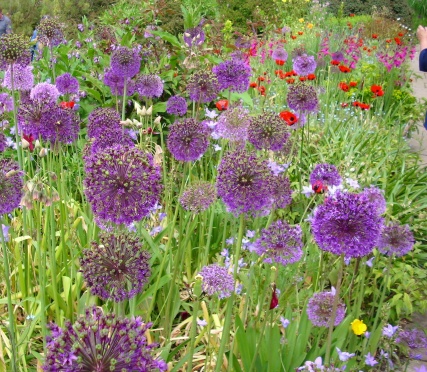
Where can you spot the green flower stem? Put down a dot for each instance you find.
(193, 334)
(15, 121)
(41, 258)
(124, 102)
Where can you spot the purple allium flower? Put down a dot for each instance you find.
(117, 267)
(344, 356)
(109, 137)
(49, 32)
(122, 184)
(327, 174)
(217, 280)
(415, 338)
(198, 197)
(389, 330)
(3, 141)
(376, 197)
(370, 360)
(23, 79)
(279, 54)
(6, 103)
(194, 36)
(346, 224)
(302, 97)
(67, 84)
(337, 56)
(100, 342)
(149, 85)
(233, 74)
(268, 131)
(101, 119)
(233, 124)
(188, 139)
(14, 50)
(176, 105)
(117, 83)
(11, 185)
(319, 309)
(396, 239)
(281, 191)
(280, 243)
(44, 93)
(59, 126)
(125, 62)
(203, 86)
(32, 115)
(304, 65)
(244, 182)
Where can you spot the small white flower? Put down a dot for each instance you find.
(210, 114)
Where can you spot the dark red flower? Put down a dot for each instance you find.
(300, 33)
(30, 139)
(253, 85)
(318, 187)
(274, 300)
(398, 41)
(374, 36)
(377, 90)
(261, 90)
(335, 62)
(353, 84)
(302, 78)
(222, 105)
(344, 68)
(290, 81)
(293, 37)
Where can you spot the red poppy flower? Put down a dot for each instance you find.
(335, 63)
(302, 78)
(318, 187)
(401, 34)
(274, 300)
(293, 37)
(253, 85)
(67, 105)
(222, 105)
(280, 74)
(280, 62)
(353, 84)
(344, 104)
(289, 117)
(352, 14)
(261, 90)
(300, 33)
(290, 81)
(30, 139)
(398, 41)
(388, 41)
(311, 77)
(343, 86)
(374, 36)
(377, 90)
(364, 106)
(261, 78)
(344, 69)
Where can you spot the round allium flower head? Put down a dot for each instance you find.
(49, 31)
(337, 56)
(117, 267)
(6, 103)
(319, 309)
(304, 65)
(346, 224)
(279, 54)
(125, 62)
(44, 93)
(59, 126)
(302, 97)
(396, 239)
(281, 191)
(188, 139)
(233, 124)
(194, 36)
(11, 185)
(280, 243)
(3, 141)
(198, 197)
(268, 131)
(108, 138)
(217, 280)
(117, 83)
(14, 50)
(122, 184)
(100, 342)
(203, 86)
(244, 182)
(33, 115)
(67, 84)
(23, 78)
(176, 105)
(327, 174)
(101, 119)
(149, 85)
(376, 197)
(233, 74)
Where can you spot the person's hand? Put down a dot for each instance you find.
(422, 36)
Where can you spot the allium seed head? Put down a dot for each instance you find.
(198, 197)
(233, 74)
(396, 239)
(302, 97)
(14, 50)
(203, 87)
(319, 309)
(268, 132)
(125, 62)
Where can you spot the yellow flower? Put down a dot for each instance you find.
(310, 25)
(301, 20)
(358, 327)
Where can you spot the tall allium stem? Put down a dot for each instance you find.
(334, 311)
(9, 301)
(124, 101)
(15, 121)
(300, 158)
(230, 303)
(53, 63)
(193, 334)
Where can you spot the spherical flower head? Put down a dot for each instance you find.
(233, 74)
(188, 139)
(279, 54)
(6, 103)
(23, 79)
(125, 62)
(49, 32)
(11, 185)
(44, 93)
(122, 184)
(396, 239)
(117, 267)
(101, 119)
(327, 174)
(203, 86)
(346, 224)
(198, 197)
(14, 50)
(100, 342)
(116, 83)
(3, 141)
(33, 115)
(176, 105)
(233, 124)
(304, 65)
(108, 138)
(302, 97)
(319, 309)
(268, 131)
(358, 327)
(280, 243)
(67, 84)
(59, 126)
(244, 183)
(194, 36)
(149, 85)
(281, 191)
(376, 197)
(217, 280)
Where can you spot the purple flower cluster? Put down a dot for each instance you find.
(116, 83)
(415, 338)
(100, 342)
(217, 280)
(376, 197)
(109, 137)
(279, 54)
(302, 97)
(233, 74)
(304, 65)
(176, 105)
(203, 87)
(346, 224)
(23, 79)
(268, 131)
(281, 192)
(319, 309)
(6, 103)
(125, 62)
(149, 85)
(233, 124)
(188, 139)
(67, 84)
(44, 93)
(49, 32)
(198, 197)
(327, 174)
(122, 184)
(280, 243)
(396, 239)
(117, 267)
(11, 185)
(3, 141)
(14, 50)
(194, 36)
(102, 119)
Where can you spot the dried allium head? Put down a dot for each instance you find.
(101, 119)
(325, 173)
(217, 280)
(268, 132)
(396, 239)
(14, 50)
(198, 197)
(302, 97)
(149, 85)
(319, 309)
(233, 74)
(125, 62)
(233, 124)
(49, 32)
(11, 185)
(203, 87)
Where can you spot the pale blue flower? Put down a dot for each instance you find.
(370, 360)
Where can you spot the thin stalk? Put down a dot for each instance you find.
(193, 334)
(124, 102)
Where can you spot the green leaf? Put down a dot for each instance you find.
(166, 36)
